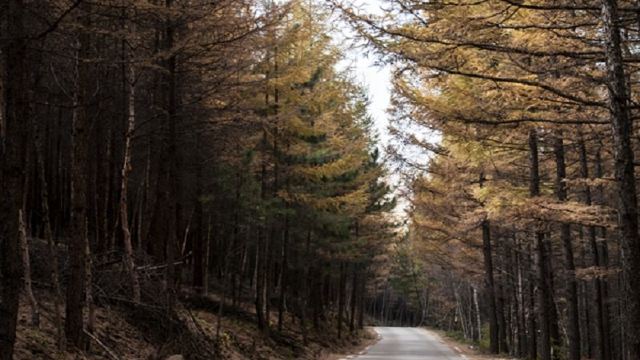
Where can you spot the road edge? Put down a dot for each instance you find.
(372, 338)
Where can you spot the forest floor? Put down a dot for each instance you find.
(127, 332)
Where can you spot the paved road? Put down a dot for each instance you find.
(407, 344)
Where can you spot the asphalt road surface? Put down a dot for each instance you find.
(399, 343)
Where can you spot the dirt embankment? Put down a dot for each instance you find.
(127, 332)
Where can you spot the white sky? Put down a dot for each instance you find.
(376, 78)
(366, 66)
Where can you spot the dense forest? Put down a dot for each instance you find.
(154, 152)
(204, 177)
(523, 227)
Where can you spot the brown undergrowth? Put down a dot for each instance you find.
(137, 331)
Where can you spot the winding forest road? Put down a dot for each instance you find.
(398, 343)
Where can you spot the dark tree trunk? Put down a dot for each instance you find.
(363, 287)
(622, 126)
(341, 298)
(531, 324)
(78, 242)
(541, 270)
(502, 319)
(283, 274)
(520, 299)
(602, 338)
(26, 266)
(127, 241)
(306, 292)
(554, 322)
(173, 235)
(198, 236)
(13, 137)
(573, 320)
(490, 288)
(259, 282)
(261, 246)
(48, 235)
(354, 295)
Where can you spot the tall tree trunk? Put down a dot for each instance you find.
(78, 242)
(531, 324)
(362, 291)
(26, 264)
(354, 295)
(305, 293)
(543, 286)
(207, 257)
(261, 246)
(603, 260)
(198, 236)
(554, 322)
(502, 320)
(600, 318)
(520, 300)
(283, 273)
(48, 234)
(478, 333)
(622, 126)
(543, 296)
(173, 224)
(573, 320)
(490, 288)
(489, 285)
(341, 297)
(268, 274)
(13, 137)
(259, 281)
(124, 185)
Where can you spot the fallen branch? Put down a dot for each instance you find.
(157, 267)
(104, 347)
(162, 266)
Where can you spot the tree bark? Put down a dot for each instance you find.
(283, 273)
(543, 288)
(490, 288)
(172, 235)
(602, 338)
(198, 237)
(476, 304)
(354, 295)
(622, 126)
(341, 298)
(489, 284)
(362, 292)
(26, 265)
(259, 282)
(573, 320)
(520, 299)
(531, 324)
(13, 137)
(51, 246)
(78, 242)
(124, 185)
(501, 308)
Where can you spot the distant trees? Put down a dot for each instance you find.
(205, 146)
